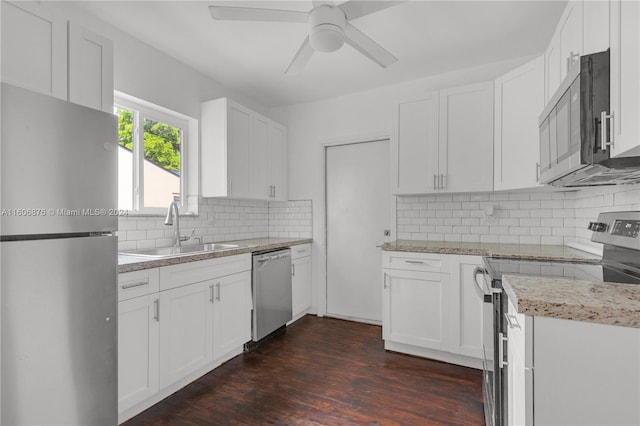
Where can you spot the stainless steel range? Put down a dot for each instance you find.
(619, 232)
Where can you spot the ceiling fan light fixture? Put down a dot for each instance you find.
(326, 38)
(326, 28)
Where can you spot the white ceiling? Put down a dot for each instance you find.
(427, 37)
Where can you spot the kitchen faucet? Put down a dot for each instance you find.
(172, 213)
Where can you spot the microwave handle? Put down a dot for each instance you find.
(606, 130)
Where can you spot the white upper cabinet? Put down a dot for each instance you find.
(243, 154)
(436, 136)
(259, 157)
(41, 53)
(466, 138)
(625, 78)
(90, 68)
(595, 27)
(582, 29)
(414, 147)
(277, 167)
(225, 147)
(34, 48)
(565, 47)
(519, 100)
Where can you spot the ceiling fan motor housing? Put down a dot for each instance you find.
(326, 28)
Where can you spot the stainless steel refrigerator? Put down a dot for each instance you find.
(58, 259)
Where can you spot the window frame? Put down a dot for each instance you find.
(145, 110)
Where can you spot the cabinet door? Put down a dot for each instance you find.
(301, 285)
(138, 340)
(231, 313)
(466, 138)
(34, 48)
(519, 99)
(260, 186)
(414, 146)
(570, 36)
(552, 67)
(278, 161)
(625, 77)
(468, 305)
(415, 308)
(90, 69)
(238, 150)
(185, 331)
(595, 26)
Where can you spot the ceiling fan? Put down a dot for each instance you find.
(329, 27)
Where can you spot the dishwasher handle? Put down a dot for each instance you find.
(275, 257)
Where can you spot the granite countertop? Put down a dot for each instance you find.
(128, 263)
(507, 251)
(598, 302)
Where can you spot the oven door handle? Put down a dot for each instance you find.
(479, 270)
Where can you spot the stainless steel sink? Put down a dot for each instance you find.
(162, 252)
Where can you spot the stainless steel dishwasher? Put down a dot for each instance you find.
(271, 289)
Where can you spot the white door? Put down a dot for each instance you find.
(358, 212)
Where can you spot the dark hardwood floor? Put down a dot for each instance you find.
(325, 371)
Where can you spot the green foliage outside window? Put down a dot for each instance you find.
(161, 141)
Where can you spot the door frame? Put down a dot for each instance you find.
(321, 292)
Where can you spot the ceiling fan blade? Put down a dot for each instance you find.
(317, 3)
(356, 8)
(300, 59)
(230, 13)
(368, 47)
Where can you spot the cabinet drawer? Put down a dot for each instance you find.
(300, 251)
(138, 283)
(188, 273)
(410, 261)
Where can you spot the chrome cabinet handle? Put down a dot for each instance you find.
(218, 292)
(476, 272)
(293, 269)
(435, 179)
(274, 191)
(132, 285)
(606, 130)
(502, 339)
(571, 60)
(211, 293)
(537, 172)
(512, 320)
(156, 310)
(442, 181)
(417, 262)
(384, 281)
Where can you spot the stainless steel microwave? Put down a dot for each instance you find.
(575, 127)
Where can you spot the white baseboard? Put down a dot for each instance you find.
(463, 360)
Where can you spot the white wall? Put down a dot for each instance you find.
(356, 117)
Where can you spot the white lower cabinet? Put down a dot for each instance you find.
(300, 280)
(231, 313)
(176, 323)
(566, 372)
(138, 350)
(185, 331)
(431, 306)
(414, 308)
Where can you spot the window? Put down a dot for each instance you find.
(151, 157)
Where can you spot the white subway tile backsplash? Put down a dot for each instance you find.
(221, 219)
(538, 216)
